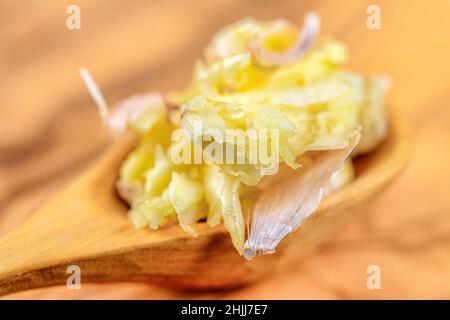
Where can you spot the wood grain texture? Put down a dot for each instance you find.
(86, 225)
(49, 130)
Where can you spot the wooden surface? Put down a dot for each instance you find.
(49, 130)
(86, 225)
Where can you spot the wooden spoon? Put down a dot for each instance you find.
(86, 225)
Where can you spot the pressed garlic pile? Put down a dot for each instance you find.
(254, 76)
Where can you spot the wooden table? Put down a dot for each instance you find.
(49, 129)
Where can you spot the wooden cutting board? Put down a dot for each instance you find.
(49, 130)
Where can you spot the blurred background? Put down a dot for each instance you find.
(50, 131)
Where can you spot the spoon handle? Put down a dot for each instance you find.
(25, 260)
(77, 222)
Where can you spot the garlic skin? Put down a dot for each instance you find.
(117, 119)
(305, 40)
(340, 178)
(285, 205)
(128, 111)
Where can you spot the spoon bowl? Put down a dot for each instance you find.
(86, 225)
